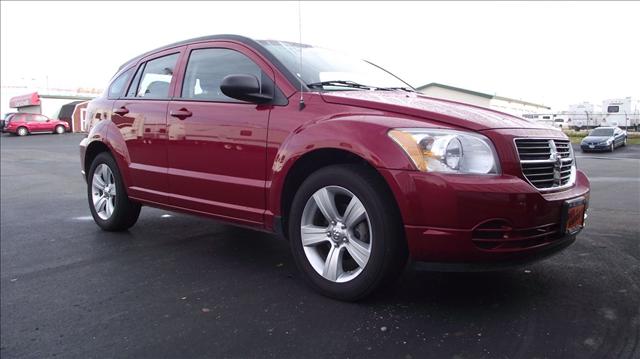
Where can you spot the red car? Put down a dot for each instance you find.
(351, 165)
(22, 124)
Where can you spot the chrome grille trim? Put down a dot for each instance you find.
(547, 164)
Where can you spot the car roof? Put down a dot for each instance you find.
(293, 79)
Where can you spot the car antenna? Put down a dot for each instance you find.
(301, 105)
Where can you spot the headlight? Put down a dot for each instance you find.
(609, 141)
(449, 151)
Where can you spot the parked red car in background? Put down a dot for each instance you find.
(349, 163)
(23, 124)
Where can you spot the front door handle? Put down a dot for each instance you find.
(181, 114)
(121, 111)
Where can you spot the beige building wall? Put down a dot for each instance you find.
(447, 94)
(516, 108)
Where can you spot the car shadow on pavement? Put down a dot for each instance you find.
(250, 254)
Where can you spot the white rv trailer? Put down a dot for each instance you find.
(541, 118)
(623, 112)
(583, 115)
(562, 121)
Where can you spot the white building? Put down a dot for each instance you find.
(498, 103)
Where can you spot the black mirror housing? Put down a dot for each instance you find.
(245, 88)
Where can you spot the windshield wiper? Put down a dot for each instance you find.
(352, 84)
(397, 88)
(341, 83)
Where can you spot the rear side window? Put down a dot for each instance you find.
(206, 69)
(117, 86)
(156, 77)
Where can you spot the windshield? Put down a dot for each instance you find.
(331, 70)
(602, 132)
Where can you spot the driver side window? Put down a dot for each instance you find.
(208, 67)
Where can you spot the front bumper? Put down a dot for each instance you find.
(480, 220)
(599, 147)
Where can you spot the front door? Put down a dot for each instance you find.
(217, 145)
(47, 125)
(141, 117)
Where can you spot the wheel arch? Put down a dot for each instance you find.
(93, 150)
(312, 161)
(105, 137)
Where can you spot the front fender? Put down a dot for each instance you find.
(362, 135)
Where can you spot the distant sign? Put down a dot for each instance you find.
(31, 99)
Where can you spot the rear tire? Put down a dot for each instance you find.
(111, 208)
(375, 237)
(22, 131)
(60, 130)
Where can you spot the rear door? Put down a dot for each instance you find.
(140, 115)
(217, 152)
(37, 123)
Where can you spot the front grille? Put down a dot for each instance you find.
(546, 164)
(498, 235)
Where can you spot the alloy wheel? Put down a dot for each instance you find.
(59, 130)
(336, 234)
(103, 191)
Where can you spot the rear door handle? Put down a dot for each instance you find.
(181, 114)
(121, 111)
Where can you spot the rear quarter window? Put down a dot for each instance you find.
(117, 86)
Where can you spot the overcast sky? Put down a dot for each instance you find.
(547, 52)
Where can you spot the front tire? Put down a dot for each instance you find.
(111, 208)
(59, 130)
(613, 147)
(345, 232)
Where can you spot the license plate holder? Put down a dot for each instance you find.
(573, 215)
(591, 146)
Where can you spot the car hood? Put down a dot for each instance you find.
(596, 138)
(413, 104)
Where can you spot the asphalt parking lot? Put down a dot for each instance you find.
(177, 286)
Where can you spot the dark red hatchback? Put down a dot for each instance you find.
(351, 165)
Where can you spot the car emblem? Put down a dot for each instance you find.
(557, 164)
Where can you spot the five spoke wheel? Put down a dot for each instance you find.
(336, 233)
(103, 190)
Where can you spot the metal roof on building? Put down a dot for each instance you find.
(479, 94)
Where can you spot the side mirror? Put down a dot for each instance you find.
(244, 88)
